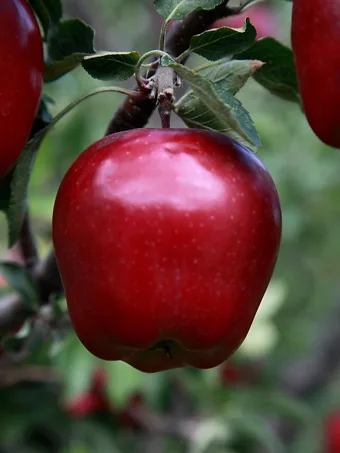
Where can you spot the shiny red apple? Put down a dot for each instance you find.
(21, 78)
(261, 16)
(166, 241)
(316, 44)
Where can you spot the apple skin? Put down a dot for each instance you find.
(316, 43)
(261, 17)
(332, 433)
(166, 240)
(21, 78)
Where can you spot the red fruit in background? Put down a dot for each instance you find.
(94, 400)
(261, 16)
(21, 78)
(332, 433)
(233, 374)
(126, 417)
(166, 241)
(316, 44)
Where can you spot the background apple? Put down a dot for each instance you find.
(94, 400)
(332, 433)
(21, 78)
(320, 100)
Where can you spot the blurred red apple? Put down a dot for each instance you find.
(332, 433)
(94, 400)
(126, 418)
(261, 16)
(234, 374)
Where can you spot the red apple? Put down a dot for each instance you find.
(261, 16)
(332, 433)
(316, 44)
(21, 78)
(166, 241)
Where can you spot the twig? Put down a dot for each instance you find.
(27, 244)
(15, 375)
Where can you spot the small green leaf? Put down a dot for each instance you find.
(13, 179)
(228, 115)
(255, 428)
(71, 37)
(278, 75)
(111, 65)
(230, 75)
(179, 9)
(69, 43)
(19, 186)
(48, 11)
(18, 279)
(57, 68)
(222, 42)
(76, 365)
(196, 114)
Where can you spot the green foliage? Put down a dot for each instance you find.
(111, 65)
(223, 42)
(220, 107)
(20, 281)
(179, 9)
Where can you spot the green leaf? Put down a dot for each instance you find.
(57, 68)
(69, 43)
(11, 189)
(222, 107)
(76, 365)
(222, 42)
(19, 279)
(71, 37)
(19, 185)
(51, 8)
(179, 9)
(255, 428)
(41, 11)
(196, 114)
(278, 75)
(49, 13)
(111, 65)
(124, 381)
(230, 75)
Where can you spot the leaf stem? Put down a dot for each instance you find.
(162, 35)
(144, 57)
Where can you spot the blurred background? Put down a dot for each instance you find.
(64, 400)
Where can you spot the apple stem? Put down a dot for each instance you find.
(164, 85)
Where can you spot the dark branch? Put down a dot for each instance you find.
(27, 244)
